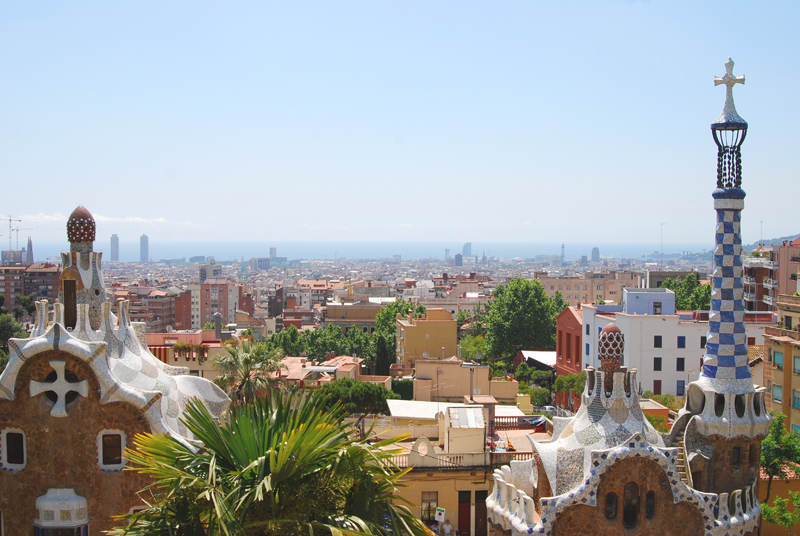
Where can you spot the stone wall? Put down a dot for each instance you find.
(592, 521)
(62, 452)
(726, 476)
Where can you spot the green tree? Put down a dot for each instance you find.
(780, 515)
(3, 361)
(283, 465)
(522, 316)
(473, 347)
(383, 360)
(689, 294)
(573, 383)
(780, 451)
(404, 388)
(358, 397)
(542, 378)
(523, 373)
(540, 396)
(28, 303)
(208, 325)
(248, 370)
(18, 312)
(289, 340)
(659, 422)
(10, 328)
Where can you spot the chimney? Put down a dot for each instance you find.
(217, 326)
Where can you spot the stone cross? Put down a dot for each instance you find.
(729, 79)
(61, 387)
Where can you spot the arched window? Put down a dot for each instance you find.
(650, 504)
(630, 505)
(611, 505)
(736, 457)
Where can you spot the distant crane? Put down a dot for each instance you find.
(10, 219)
(18, 229)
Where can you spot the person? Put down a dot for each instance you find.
(447, 528)
(435, 527)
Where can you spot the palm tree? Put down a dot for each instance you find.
(248, 370)
(282, 465)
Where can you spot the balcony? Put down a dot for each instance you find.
(769, 300)
(788, 299)
(794, 258)
(770, 283)
(780, 332)
(750, 296)
(749, 280)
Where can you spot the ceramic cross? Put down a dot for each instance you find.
(729, 79)
(60, 387)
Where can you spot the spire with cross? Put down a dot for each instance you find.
(729, 117)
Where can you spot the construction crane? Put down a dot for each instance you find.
(18, 229)
(10, 219)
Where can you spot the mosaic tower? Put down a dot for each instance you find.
(729, 417)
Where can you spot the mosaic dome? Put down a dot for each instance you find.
(80, 226)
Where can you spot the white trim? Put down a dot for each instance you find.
(124, 445)
(4, 448)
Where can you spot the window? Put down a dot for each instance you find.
(702, 341)
(736, 457)
(630, 505)
(110, 446)
(796, 365)
(14, 446)
(650, 504)
(656, 387)
(587, 329)
(680, 390)
(796, 399)
(751, 341)
(681, 341)
(777, 393)
(680, 365)
(657, 341)
(611, 505)
(430, 500)
(587, 348)
(778, 357)
(657, 308)
(656, 364)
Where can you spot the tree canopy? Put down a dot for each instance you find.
(10, 329)
(780, 451)
(689, 294)
(358, 397)
(248, 370)
(522, 317)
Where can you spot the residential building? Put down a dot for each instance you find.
(114, 248)
(12, 282)
(656, 278)
(782, 261)
(666, 347)
(450, 380)
(214, 296)
(144, 249)
(589, 287)
(569, 332)
(756, 278)
(360, 315)
(212, 270)
(782, 369)
(41, 281)
(427, 336)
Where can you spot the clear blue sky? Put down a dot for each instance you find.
(398, 121)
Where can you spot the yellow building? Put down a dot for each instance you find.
(449, 380)
(783, 361)
(432, 335)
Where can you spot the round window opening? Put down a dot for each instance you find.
(70, 377)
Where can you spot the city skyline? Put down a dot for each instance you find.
(521, 122)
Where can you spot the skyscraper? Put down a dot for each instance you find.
(273, 252)
(466, 251)
(595, 254)
(144, 249)
(114, 248)
(29, 253)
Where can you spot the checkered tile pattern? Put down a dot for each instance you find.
(726, 347)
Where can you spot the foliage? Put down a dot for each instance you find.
(208, 325)
(3, 361)
(28, 303)
(539, 395)
(659, 422)
(497, 369)
(473, 347)
(667, 400)
(780, 515)
(283, 465)
(2, 300)
(386, 318)
(780, 451)
(10, 328)
(358, 397)
(570, 383)
(527, 374)
(476, 327)
(18, 313)
(248, 371)
(383, 360)
(522, 316)
(689, 294)
(404, 388)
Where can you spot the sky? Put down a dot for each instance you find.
(530, 121)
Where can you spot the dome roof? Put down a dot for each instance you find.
(611, 328)
(80, 226)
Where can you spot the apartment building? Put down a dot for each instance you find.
(665, 347)
(39, 280)
(782, 369)
(589, 287)
(214, 296)
(782, 262)
(428, 336)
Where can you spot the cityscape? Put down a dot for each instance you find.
(292, 271)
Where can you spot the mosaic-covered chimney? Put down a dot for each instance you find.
(611, 346)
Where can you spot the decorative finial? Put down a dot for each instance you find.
(729, 116)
